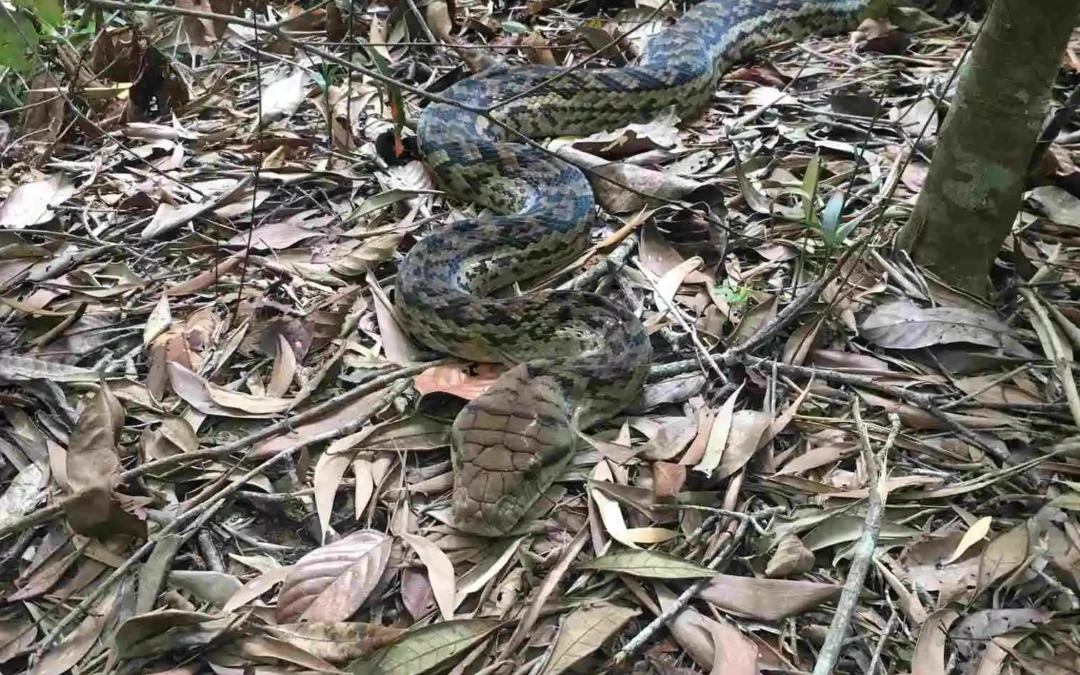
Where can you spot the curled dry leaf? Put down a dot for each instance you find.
(465, 382)
(790, 557)
(333, 581)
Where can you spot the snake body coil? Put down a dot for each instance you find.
(579, 358)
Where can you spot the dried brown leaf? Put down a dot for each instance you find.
(336, 642)
(440, 572)
(583, 631)
(330, 583)
(929, 658)
(766, 599)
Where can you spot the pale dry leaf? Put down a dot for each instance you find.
(929, 657)
(670, 439)
(976, 533)
(25, 368)
(260, 648)
(440, 572)
(329, 470)
(360, 257)
(158, 322)
(498, 555)
(283, 97)
(331, 582)
(767, 599)
(609, 510)
(715, 645)
(284, 369)
(747, 429)
(819, 456)
(364, 473)
(718, 434)
(28, 204)
(1060, 205)
(905, 325)
(25, 491)
(256, 587)
(669, 284)
(583, 631)
(92, 457)
(790, 557)
(1003, 555)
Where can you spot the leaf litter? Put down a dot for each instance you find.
(220, 453)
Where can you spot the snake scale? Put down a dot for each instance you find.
(576, 358)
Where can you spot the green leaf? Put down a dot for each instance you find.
(49, 11)
(514, 27)
(17, 36)
(651, 564)
(830, 218)
(420, 650)
(810, 186)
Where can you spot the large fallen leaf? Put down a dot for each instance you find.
(421, 650)
(651, 564)
(24, 369)
(713, 644)
(905, 325)
(1057, 203)
(583, 632)
(28, 205)
(744, 439)
(440, 572)
(283, 97)
(1003, 555)
(929, 658)
(336, 642)
(211, 399)
(766, 599)
(92, 457)
(333, 581)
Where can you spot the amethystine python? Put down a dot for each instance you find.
(577, 358)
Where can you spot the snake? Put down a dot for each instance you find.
(573, 358)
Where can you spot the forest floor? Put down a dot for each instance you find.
(220, 453)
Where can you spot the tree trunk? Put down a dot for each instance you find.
(975, 184)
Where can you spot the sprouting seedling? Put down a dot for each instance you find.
(828, 222)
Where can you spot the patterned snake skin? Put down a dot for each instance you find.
(580, 358)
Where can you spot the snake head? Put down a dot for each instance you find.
(508, 446)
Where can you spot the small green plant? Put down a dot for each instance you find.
(828, 222)
(18, 32)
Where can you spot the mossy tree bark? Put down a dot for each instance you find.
(975, 184)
